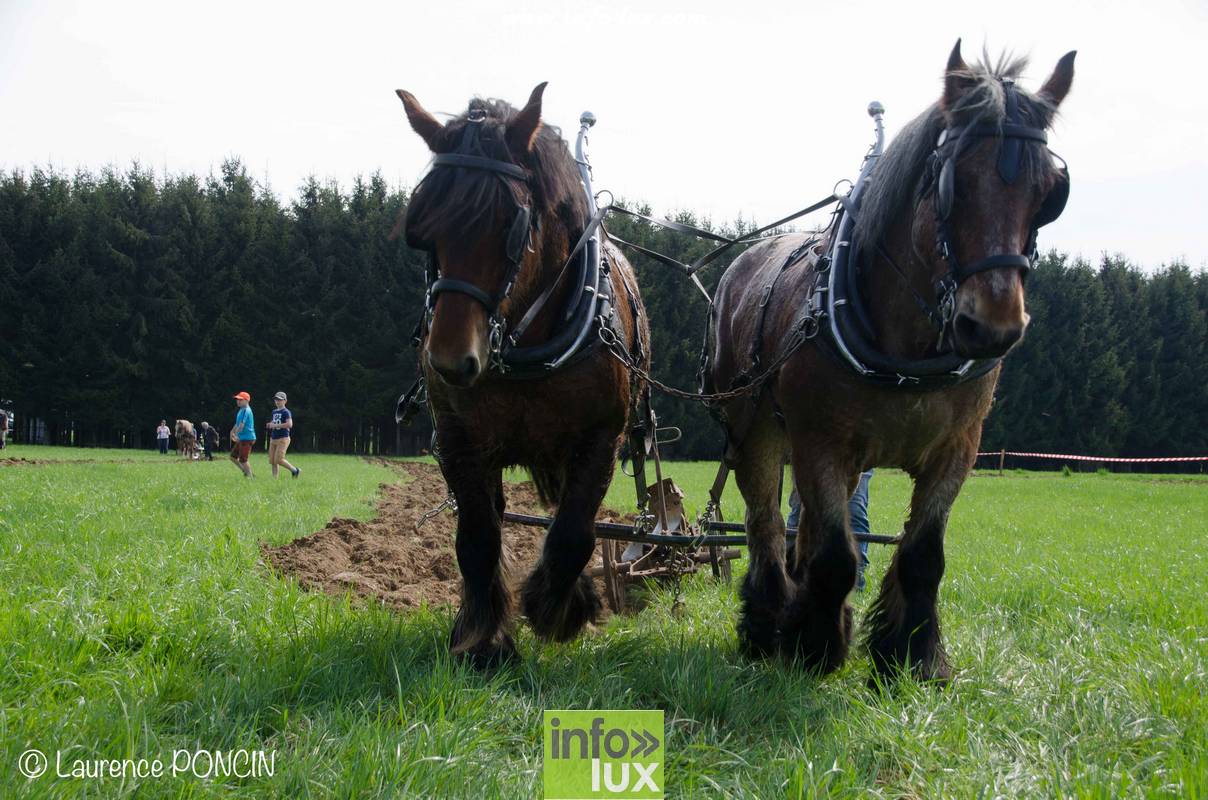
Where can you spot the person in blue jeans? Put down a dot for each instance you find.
(857, 509)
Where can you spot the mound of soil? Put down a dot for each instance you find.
(19, 461)
(387, 560)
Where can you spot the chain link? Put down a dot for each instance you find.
(449, 502)
(806, 330)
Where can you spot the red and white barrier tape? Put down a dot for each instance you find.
(1068, 457)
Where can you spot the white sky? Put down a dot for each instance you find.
(741, 107)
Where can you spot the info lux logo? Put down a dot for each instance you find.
(603, 754)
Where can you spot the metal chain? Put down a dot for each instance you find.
(449, 502)
(806, 330)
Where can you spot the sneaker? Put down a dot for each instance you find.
(297, 471)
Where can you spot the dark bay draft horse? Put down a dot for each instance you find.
(950, 212)
(513, 373)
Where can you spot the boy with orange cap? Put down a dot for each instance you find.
(243, 435)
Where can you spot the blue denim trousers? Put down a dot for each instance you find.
(857, 510)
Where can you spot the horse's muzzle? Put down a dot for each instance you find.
(974, 338)
(462, 370)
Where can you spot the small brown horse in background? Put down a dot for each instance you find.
(186, 439)
(565, 427)
(833, 425)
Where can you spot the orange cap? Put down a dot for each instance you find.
(244, 396)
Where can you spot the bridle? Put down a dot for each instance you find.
(838, 311)
(588, 304)
(469, 155)
(939, 183)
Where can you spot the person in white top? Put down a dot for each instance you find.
(161, 434)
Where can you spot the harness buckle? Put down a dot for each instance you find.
(608, 336)
(495, 340)
(766, 296)
(810, 325)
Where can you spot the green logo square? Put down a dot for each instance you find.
(606, 753)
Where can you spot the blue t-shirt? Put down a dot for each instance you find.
(248, 432)
(280, 415)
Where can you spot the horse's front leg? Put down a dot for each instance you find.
(480, 630)
(816, 625)
(766, 587)
(904, 622)
(558, 598)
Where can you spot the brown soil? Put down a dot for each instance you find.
(387, 560)
(22, 462)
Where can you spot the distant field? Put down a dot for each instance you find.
(136, 619)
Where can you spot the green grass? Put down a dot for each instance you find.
(135, 620)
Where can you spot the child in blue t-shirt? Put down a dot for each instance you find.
(279, 425)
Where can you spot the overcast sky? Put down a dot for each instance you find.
(736, 108)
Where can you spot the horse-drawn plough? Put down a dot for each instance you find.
(846, 348)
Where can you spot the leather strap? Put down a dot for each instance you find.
(479, 162)
(1004, 261)
(543, 298)
(462, 287)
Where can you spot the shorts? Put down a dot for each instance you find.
(241, 449)
(276, 449)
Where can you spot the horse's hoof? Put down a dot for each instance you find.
(817, 639)
(755, 647)
(487, 655)
(482, 651)
(888, 668)
(559, 619)
(758, 636)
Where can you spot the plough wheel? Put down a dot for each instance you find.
(614, 583)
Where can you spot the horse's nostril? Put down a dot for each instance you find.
(967, 329)
(470, 367)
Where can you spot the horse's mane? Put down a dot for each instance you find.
(895, 178)
(449, 203)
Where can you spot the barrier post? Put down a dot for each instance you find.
(1002, 456)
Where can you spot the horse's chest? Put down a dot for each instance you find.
(526, 421)
(886, 427)
(904, 429)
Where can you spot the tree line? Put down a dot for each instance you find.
(126, 298)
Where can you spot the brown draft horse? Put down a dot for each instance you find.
(832, 424)
(186, 439)
(564, 426)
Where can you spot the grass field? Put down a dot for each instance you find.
(135, 621)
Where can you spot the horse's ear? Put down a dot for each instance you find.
(958, 78)
(421, 121)
(522, 130)
(1058, 85)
